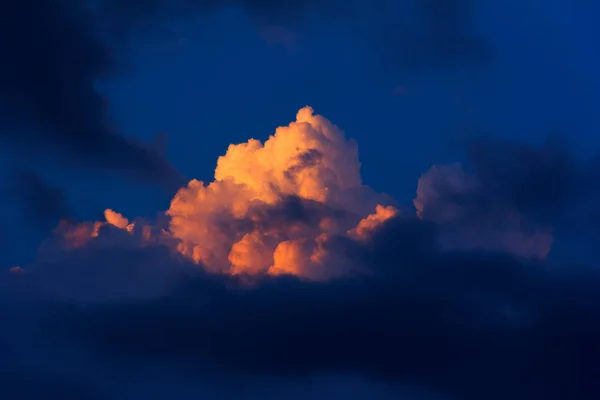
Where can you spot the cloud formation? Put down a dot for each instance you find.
(296, 205)
(510, 196)
(468, 325)
(458, 201)
(273, 208)
(454, 297)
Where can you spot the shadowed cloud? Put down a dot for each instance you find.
(52, 54)
(466, 324)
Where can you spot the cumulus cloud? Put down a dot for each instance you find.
(453, 199)
(296, 205)
(274, 208)
(452, 297)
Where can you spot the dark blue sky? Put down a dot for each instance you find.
(217, 78)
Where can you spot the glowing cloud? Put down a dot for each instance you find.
(79, 235)
(272, 209)
(227, 225)
(118, 220)
(372, 222)
(290, 205)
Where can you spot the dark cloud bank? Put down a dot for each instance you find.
(467, 324)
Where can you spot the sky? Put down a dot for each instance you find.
(302, 200)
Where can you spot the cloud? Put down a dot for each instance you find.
(296, 205)
(50, 63)
(509, 196)
(459, 202)
(275, 204)
(274, 208)
(466, 324)
(22, 375)
(287, 267)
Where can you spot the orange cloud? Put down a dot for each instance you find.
(116, 219)
(295, 204)
(272, 208)
(217, 223)
(372, 222)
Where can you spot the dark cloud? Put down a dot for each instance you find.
(292, 210)
(41, 202)
(541, 182)
(113, 271)
(537, 182)
(468, 324)
(51, 55)
(20, 382)
(511, 195)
